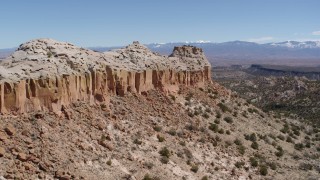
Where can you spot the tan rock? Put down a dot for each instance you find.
(22, 157)
(3, 136)
(2, 151)
(34, 80)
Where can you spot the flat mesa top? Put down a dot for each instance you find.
(47, 57)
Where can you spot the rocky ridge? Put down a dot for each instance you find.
(45, 74)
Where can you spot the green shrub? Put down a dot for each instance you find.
(273, 165)
(253, 162)
(239, 164)
(137, 141)
(214, 127)
(237, 142)
(223, 107)
(289, 139)
(172, 132)
(194, 168)
(241, 149)
(172, 97)
(160, 138)
(165, 152)
(255, 145)
(205, 178)
(221, 131)
(218, 115)
(281, 137)
(109, 162)
(280, 151)
(49, 54)
(157, 128)
(228, 132)
(164, 159)
(298, 146)
(263, 170)
(228, 120)
(217, 121)
(205, 115)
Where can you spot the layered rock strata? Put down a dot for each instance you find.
(46, 75)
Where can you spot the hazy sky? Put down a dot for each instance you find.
(119, 22)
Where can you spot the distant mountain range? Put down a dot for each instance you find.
(235, 52)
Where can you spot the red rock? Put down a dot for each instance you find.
(10, 130)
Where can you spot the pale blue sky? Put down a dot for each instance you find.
(112, 23)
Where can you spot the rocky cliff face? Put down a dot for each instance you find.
(45, 74)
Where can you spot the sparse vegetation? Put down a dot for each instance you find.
(223, 107)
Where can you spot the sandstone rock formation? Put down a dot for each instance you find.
(44, 74)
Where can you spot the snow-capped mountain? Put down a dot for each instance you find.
(238, 51)
(296, 44)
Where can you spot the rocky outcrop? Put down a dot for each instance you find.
(46, 75)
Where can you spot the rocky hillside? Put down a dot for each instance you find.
(47, 75)
(71, 113)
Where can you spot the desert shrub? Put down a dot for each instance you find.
(189, 96)
(217, 121)
(172, 97)
(223, 107)
(254, 162)
(109, 162)
(285, 128)
(228, 132)
(218, 115)
(157, 128)
(214, 143)
(273, 165)
(192, 127)
(255, 145)
(205, 178)
(190, 114)
(208, 110)
(280, 151)
(214, 127)
(149, 165)
(221, 131)
(235, 114)
(244, 114)
(49, 54)
(281, 137)
(160, 138)
(148, 177)
(228, 119)
(289, 139)
(252, 137)
(164, 159)
(241, 149)
(205, 115)
(298, 146)
(306, 166)
(182, 143)
(188, 153)
(239, 164)
(308, 144)
(165, 152)
(228, 143)
(172, 132)
(194, 168)
(263, 170)
(137, 141)
(237, 142)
